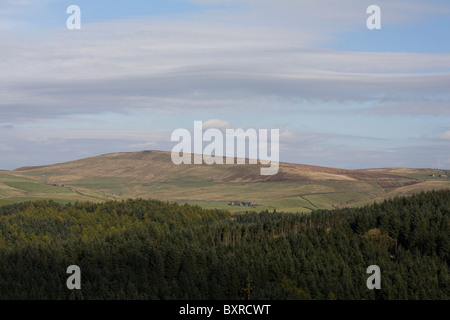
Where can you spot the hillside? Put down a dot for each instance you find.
(151, 174)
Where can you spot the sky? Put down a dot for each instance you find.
(341, 95)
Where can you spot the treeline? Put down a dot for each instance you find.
(148, 249)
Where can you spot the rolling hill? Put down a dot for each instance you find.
(151, 174)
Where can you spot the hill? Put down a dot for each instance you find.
(151, 174)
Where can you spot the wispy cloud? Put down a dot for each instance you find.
(216, 123)
(445, 135)
(119, 69)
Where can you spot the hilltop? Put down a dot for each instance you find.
(151, 174)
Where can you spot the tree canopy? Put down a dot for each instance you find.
(149, 249)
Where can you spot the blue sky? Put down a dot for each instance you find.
(427, 35)
(341, 95)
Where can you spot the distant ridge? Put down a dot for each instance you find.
(151, 174)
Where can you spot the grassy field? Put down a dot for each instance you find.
(151, 175)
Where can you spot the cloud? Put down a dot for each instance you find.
(250, 60)
(206, 63)
(445, 135)
(329, 12)
(216, 124)
(7, 4)
(16, 14)
(159, 64)
(184, 92)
